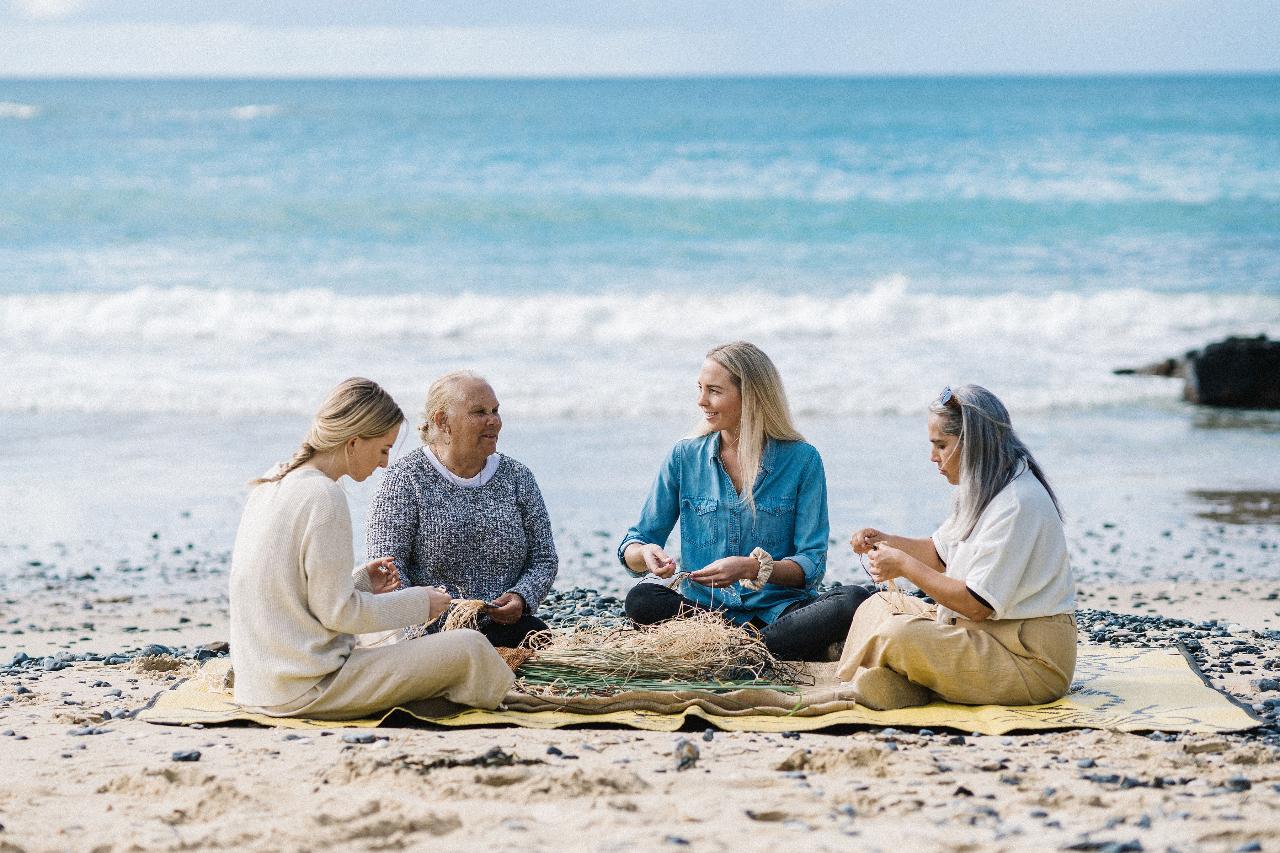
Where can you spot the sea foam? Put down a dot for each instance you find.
(883, 350)
(11, 109)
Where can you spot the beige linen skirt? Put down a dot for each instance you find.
(460, 666)
(995, 661)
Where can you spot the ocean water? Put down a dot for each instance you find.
(186, 267)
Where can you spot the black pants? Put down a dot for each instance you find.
(804, 631)
(510, 636)
(503, 636)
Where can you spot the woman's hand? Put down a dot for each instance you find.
(726, 571)
(887, 562)
(439, 599)
(657, 561)
(866, 538)
(383, 576)
(506, 609)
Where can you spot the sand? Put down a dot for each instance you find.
(73, 780)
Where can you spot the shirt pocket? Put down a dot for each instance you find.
(775, 526)
(700, 521)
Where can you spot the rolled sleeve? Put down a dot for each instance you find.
(812, 527)
(999, 560)
(661, 508)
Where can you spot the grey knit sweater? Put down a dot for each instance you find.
(476, 543)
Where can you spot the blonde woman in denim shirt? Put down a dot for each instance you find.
(751, 498)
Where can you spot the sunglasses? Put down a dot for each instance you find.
(946, 398)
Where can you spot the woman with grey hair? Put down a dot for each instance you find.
(1003, 630)
(458, 515)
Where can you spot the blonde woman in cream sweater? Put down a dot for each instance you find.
(296, 603)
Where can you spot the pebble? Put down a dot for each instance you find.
(87, 730)
(708, 734)
(1086, 763)
(359, 737)
(1238, 783)
(186, 755)
(554, 750)
(686, 754)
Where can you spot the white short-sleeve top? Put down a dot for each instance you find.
(1016, 557)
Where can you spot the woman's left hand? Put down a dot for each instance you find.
(506, 609)
(726, 571)
(886, 562)
(383, 576)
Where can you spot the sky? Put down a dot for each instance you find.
(592, 38)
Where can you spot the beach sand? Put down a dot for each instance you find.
(76, 779)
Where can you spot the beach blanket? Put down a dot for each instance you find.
(1123, 689)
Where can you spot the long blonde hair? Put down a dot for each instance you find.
(357, 408)
(765, 413)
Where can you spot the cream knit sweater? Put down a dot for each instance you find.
(295, 599)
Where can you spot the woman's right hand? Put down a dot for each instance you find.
(657, 561)
(866, 539)
(439, 599)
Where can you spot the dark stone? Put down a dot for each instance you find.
(554, 750)
(956, 740)
(155, 649)
(1086, 763)
(1241, 373)
(359, 737)
(186, 755)
(1238, 783)
(708, 734)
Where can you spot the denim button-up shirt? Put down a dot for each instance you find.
(790, 521)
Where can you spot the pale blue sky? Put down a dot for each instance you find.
(451, 38)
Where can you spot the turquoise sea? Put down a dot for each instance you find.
(186, 266)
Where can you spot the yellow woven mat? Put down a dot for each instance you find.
(1123, 689)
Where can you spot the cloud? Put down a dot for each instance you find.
(48, 10)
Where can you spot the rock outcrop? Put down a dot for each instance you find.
(1237, 373)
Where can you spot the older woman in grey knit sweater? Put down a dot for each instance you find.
(459, 515)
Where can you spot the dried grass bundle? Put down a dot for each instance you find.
(463, 613)
(699, 651)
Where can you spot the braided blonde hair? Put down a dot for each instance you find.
(357, 408)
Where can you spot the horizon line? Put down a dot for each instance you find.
(622, 77)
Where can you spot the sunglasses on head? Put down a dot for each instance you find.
(946, 398)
